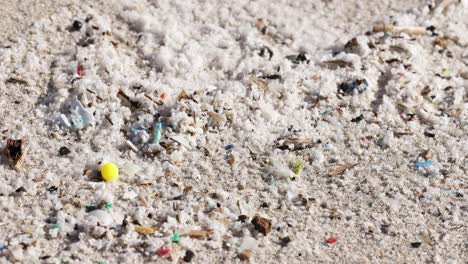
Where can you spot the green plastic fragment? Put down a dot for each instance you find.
(55, 226)
(297, 166)
(108, 206)
(446, 72)
(90, 208)
(102, 262)
(175, 238)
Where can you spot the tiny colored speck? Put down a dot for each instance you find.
(424, 163)
(108, 206)
(55, 226)
(175, 238)
(228, 147)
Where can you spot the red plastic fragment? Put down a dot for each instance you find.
(163, 95)
(163, 251)
(80, 71)
(331, 240)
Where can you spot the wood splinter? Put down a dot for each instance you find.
(399, 29)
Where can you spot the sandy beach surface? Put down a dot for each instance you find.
(242, 131)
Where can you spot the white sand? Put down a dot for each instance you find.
(211, 59)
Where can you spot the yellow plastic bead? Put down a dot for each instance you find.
(109, 171)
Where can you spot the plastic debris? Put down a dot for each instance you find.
(108, 206)
(228, 147)
(79, 117)
(331, 240)
(145, 229)
(297, 166)
(262, 224)
(55, 226)
(446, 73)
(164, 251)
(109, 172)
(80, 71)
(424, 163)
(175, 238)
(157, 133)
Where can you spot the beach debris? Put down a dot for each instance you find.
(163, 96)
(357, 119)
(299, 58)
(175, 238)
(63, 151)
(15, 150)
(340, 169)
(16, 81)
(52, 189)
(295, 143)
(79, 117)
(338, 63)
(76, 26)
(20, 190)
(80, 71)
(157, 133)
(296, 166)
(229, 147)
(145, 229)
(217, 117)
(441, 42)
(262, 224)
(199, 234)
(55, 226)
(411, 30)
(353, 87)
(416, 244)
(245, 255)
(331, 240)
(162, 251)
(131, 145)
(427, 154)
(109, 172)
(264, 51)
(271, 77)
(285, 241)
(423, 163)
(188, 256)
(446, 73)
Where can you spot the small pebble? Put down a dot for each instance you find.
(188, 256)
(285, 241)
(416, 244)
(52, 189)
(76, 25)
(245, 255)
(20, 189)
(262, 225)
(64, 151)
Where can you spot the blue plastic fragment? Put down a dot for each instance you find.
(424, 163)
(228, 147)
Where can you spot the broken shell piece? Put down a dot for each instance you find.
(399, 29)
(341, 169)
(199, 234)
(16, 150)
(220, 119)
